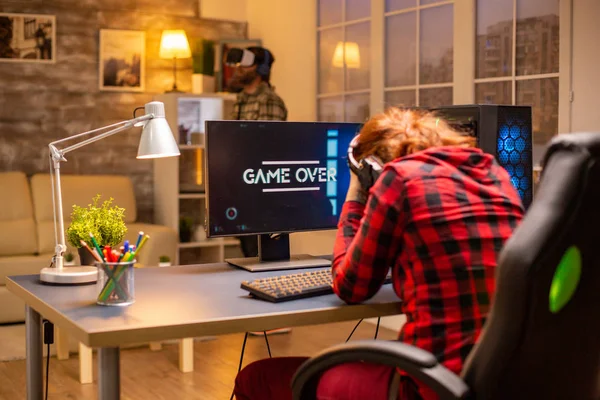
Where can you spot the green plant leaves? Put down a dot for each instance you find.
(105, 222)
(566, 279)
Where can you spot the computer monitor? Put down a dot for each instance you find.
(272, 178)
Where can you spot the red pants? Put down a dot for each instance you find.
(270, 379)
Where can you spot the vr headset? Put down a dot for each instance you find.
(240, 58)
(245, 58)
(367, 170)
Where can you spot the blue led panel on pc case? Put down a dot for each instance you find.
(512, 142)
(513, 148)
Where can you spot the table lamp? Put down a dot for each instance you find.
(156, 141)
(174, 44)
(348, 53)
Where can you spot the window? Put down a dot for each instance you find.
(344, 54)
(418, 52)
(517, 55)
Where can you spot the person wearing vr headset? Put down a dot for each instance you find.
(424, 202)
(257, 100)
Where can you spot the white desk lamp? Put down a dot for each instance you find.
(157, 141)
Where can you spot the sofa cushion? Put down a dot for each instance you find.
(77, 190)
(17, 226)
(163, 242)
(23, 265)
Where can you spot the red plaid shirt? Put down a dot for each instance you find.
(438, 218)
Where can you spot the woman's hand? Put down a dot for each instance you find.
(356, 191)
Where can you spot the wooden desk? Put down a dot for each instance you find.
(171, 303)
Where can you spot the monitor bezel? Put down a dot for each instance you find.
(209, 233)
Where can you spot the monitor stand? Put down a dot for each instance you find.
(274, 254)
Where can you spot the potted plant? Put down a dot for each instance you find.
(186, 225)
(105, 222)
(164, 261)
(69, 259)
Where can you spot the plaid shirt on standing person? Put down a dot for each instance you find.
(262, 105)
(439, 219)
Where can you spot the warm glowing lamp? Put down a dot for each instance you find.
(349, 52)
(174, 45)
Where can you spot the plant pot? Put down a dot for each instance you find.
(85, 258)
(164, 264)
(69, 263)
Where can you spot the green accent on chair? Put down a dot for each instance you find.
(566, 279)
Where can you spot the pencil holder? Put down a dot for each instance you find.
(115, 283)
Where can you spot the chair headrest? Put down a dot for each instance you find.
(588, 142)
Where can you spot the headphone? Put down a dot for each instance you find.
(264, 69)
(367, 170)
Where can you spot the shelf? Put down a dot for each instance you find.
(208, 243)
(190, 146)
(192, 195)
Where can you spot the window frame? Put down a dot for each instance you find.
(344, 24)
(418, 86)
(464, 58)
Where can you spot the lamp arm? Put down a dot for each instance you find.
(123, 126)
(56, 156)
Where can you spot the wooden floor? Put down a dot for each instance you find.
(154, 375)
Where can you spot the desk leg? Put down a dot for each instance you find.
(109, 374)
(34, 365)
(186, 355)
(62, 344)
(86, 371)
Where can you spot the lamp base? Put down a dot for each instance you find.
(69, 275)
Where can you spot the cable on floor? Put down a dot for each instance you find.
(377, 328)
(241, 359)
(352, 333)
(267, 340)
(47, 370)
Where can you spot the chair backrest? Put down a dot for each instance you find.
(542, 337)
(77, 190)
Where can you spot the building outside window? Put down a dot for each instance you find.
(517, 60)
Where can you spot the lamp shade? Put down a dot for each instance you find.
(157, 140)
(174, 44)
(348, 51)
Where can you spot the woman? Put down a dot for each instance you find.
(438, 215)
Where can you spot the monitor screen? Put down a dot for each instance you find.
(275, 177)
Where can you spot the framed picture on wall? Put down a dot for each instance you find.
(224, 72)
(122, 60)
(27, 38)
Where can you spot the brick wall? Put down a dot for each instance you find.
(40, 103)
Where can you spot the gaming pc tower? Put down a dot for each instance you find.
(505, 132)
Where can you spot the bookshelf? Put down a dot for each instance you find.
(179, 189)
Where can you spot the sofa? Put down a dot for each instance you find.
(27, 225)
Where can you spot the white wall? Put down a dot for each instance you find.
(288, 29)
(233, 10)
(586, 61)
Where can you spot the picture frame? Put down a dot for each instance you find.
(28, 38)
(223, 72)
(122, 60)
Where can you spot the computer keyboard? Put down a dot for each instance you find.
(294, 286)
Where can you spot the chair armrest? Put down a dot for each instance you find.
(163, 242)
(418, 363)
